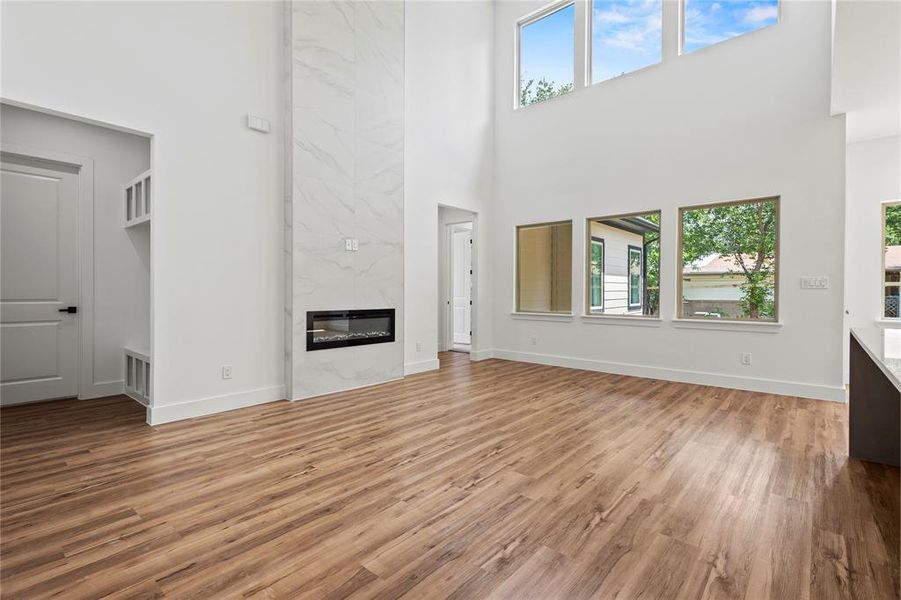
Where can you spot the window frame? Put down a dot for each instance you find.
(600, 241)
(516, 270)
(681, 32)
(589, 47)
(534, 17)
(630, 249)
(886, 284)
(586, 307)
(777, 285)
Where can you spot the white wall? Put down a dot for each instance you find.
(121, 287)
(743, 119)
(187, 72)
(448, 156)
(873, 177)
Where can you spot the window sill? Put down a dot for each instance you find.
(529, 316)
(749, 326)
(633, 321)
(888, 323)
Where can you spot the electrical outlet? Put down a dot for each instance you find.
(226, 371)
(533, 340)
(419, 346)
(746, 358)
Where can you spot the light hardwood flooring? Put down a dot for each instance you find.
(491, 479)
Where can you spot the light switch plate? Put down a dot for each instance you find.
(356, 244)
(348, 244)
(814, 283)
(258, 124)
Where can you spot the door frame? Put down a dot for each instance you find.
(84, 246)
(446, 287)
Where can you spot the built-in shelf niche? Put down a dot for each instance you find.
(137, 200)
(137, 375)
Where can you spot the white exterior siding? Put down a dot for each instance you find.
(616, 267)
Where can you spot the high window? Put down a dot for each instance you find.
(891, 260)
(547, 54)
(623, 265)
(544, 267)
(729, 260)
(707, 22)
(625, 36)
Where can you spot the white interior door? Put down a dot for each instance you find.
(38, 271)
(462, 284)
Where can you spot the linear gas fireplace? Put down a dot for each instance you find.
(340, 328)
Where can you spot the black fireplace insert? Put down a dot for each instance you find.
(341, 328)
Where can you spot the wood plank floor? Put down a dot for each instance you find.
(492, 479)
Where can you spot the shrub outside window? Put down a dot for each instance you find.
(729, 260)
(544, 268)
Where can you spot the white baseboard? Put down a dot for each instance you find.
(167, 413)
(475, 355)
(420, 366)
(102, 389)
(753, 384)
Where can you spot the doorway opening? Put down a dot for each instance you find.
(75, 308)
(457, 279)
(461, 286)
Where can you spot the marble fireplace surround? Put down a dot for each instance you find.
(346, 119)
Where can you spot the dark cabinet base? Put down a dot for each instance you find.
(874, 413)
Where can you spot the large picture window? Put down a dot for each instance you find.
(625, 36)
(729, 260)
(623, 265)
(547, 51)
(891, 260)
(544, 267)
(707, 22)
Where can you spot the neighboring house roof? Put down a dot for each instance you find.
(893, 258)
(721, 264)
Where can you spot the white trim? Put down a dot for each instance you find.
(84, 248)
(754, 384)
(530, 316)
(167, 413)
(632, 321)
(421, 366)
(727, 325)
(73, 117)
(477, 355)
(102, 389)
(884, 323)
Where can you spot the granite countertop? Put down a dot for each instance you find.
(884, 347)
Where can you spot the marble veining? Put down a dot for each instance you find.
(347, 148)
